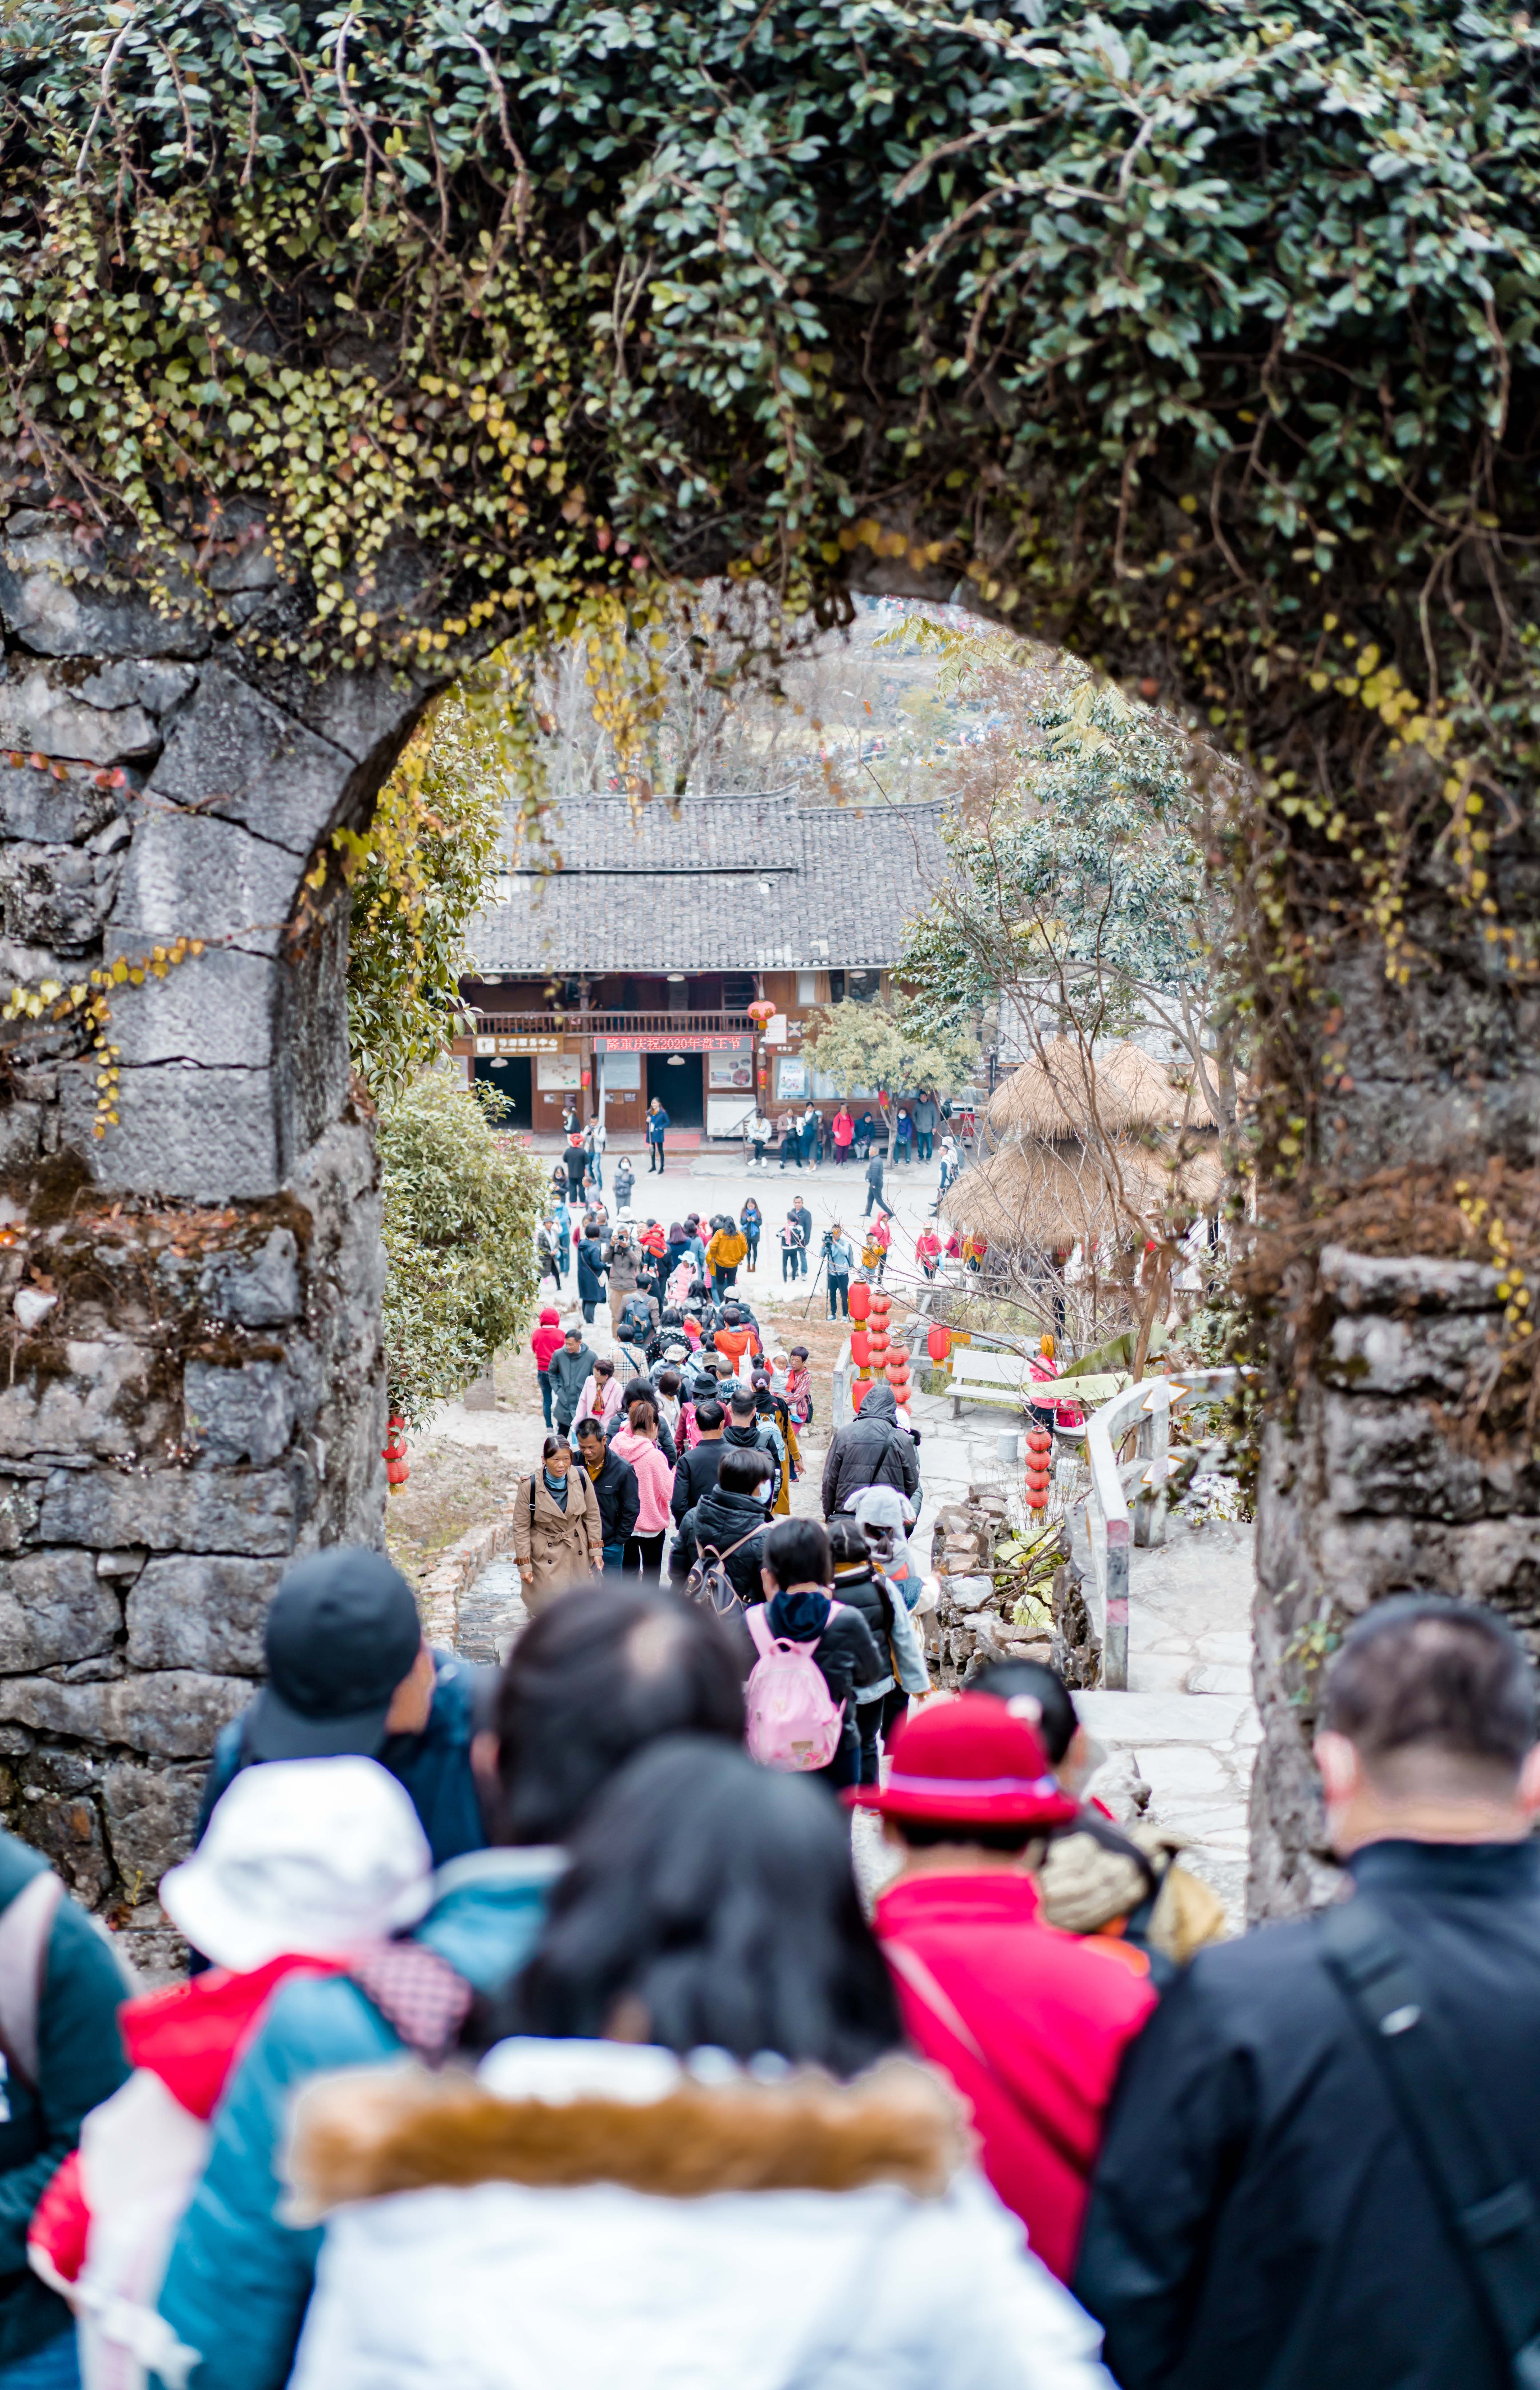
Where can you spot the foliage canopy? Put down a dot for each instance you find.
(1204, 339)
(889, 1047)
(461, 1209)
(417, 880)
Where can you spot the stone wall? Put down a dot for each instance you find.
(1365, 1491)
(190, 1378)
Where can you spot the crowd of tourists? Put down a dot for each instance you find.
(537, 2032)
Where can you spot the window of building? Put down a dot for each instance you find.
(807, 987)
(738, 991)
(863, 986)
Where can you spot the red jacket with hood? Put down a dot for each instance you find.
(546, 1339)
(1030, 2023)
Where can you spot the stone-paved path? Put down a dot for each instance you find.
(1188, 1718)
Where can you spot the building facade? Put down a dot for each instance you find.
(621, 960)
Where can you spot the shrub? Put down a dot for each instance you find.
(461, 1207)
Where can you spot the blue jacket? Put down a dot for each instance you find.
(79, 2062)
(433, 1767)
(239, 2281)
(590, 1261)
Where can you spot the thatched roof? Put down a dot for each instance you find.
(1034, 1195)
(1062, 1093)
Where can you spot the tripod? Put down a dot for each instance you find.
(813, 1288)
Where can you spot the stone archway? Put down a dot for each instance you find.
(193, 1386)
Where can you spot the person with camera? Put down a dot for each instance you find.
(838, 1261)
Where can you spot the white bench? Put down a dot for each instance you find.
(981, 1377)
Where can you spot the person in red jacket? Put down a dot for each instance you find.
(546, 1341)
(927, 1251)
(1030, 2023)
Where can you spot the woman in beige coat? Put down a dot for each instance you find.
(556, 1533)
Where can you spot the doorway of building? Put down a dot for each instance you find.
(510, 1073)
(678, 1082)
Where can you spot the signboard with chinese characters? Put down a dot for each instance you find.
(697, 1041)
(513, 1045)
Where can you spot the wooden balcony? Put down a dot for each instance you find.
(613, 1024)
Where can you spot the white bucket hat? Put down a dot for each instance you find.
(313, 1856)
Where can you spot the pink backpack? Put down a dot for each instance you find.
(793, 1724)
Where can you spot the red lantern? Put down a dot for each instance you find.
(1039, 1440)
(1037, 1499)
(761, 1011)
(882, 1302)
(938, 1343)
(860, 1301)
(897, 1363)
(396, 1473)
(860, 1347)
(859, 1392)
(877, 1346)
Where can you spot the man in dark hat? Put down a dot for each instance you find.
(348, 1672)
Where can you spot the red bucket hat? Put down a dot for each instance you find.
(969, 1761)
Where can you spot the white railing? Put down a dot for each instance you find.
(1111, 1531)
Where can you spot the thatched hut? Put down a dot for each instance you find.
(1096, 1152)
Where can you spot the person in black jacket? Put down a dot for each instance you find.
(635, 1389)
(615, 1488)
(590, 1276)
(873, 1450)
(735, 1507)
(697, 1469)
(796, 1572)
(1261, 2213)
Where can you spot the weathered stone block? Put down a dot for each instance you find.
(20, 1135)
(1393, 1457)
(175, 1713)
(52, 813)
(54, 897)
(155, 686)
(38, 711)
(1367, 1282)
(1396, 1355)
(256, 1290)
(151, 1815)
(1487, 1559)
(253, 1510)
(66, 1827)
(19, 1499)
(61, 618)
(205, 1613)
(55, 1609)
(82, 1397)
(241, 1413)
(237, 756)
(216, 1009)
(208, 1134)
(189, 875)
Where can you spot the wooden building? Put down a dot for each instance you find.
(619, 960)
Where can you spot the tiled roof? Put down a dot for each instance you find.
(712, 883)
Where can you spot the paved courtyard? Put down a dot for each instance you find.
(1187, 1719)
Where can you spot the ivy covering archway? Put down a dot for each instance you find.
(1201, 341)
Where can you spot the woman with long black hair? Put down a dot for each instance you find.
(699, 2157)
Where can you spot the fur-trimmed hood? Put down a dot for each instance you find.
(589, 2213)
(560, 2114)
